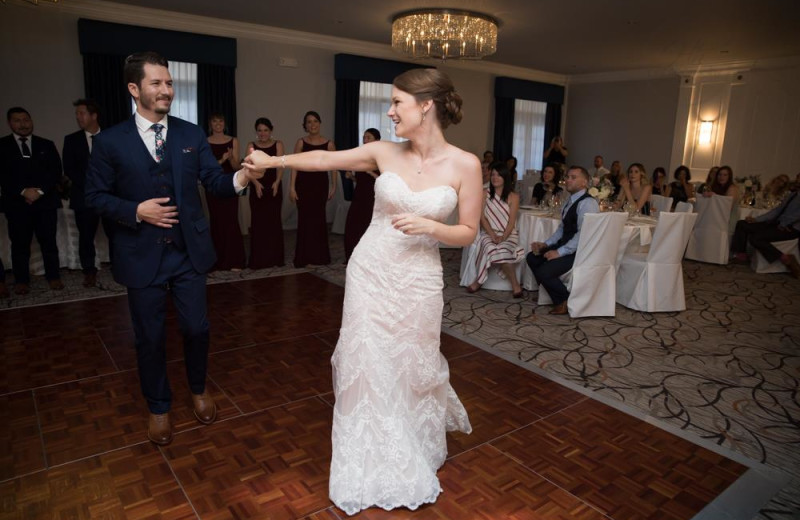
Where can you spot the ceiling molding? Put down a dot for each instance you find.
(162, 19)
(624, 75)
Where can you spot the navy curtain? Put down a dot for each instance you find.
(349, 72)
(506, 90)
(103, 80)
(216, 92)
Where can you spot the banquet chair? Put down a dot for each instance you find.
(592, 280)
(760, 265)
(661, 203)
(653, 281)
(684, 207)
(710, 240)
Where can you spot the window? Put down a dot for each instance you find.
(373, 103)
(529, 117)
(184, 81)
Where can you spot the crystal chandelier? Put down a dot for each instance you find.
(444, 33)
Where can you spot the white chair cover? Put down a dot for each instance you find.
(661, 203)
(592, 279)
(653, 282)
(760, 265)
(710, 239)
(684, 207)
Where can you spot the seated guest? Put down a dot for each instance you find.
(680, 189)
(659, 181)
(498, 242)
(723, 185)
(781, 223)
(486, 174)
(550, 259)
(512, 165)
(488, 157)
(706, 186)
(30, 170)
(636, 190)
(614, 177)
(544, 190)
(598, 171)
(775, 190)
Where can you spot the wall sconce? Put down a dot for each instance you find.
(706, 127)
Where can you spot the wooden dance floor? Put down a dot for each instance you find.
(73, 425)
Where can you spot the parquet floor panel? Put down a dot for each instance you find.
(273, 464)
(96, 415)
(619, 464)
(133, 483)
(19, 436)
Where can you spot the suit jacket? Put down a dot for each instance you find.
(118, 180)
(75, 156)
(42, 170)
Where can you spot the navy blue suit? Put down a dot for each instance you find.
(42, 170)
(75, 156)
(152, 261)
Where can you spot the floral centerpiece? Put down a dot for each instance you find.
(602, 191)
(752, 182)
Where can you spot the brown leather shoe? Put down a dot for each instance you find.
(56, 285)
(4, 290)
(90, 280)
(204, 408)
(160, 429)
(560, 309)
(21, 289)
(793, 265)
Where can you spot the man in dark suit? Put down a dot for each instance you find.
(143, 174)
(30, 170)
(75, 154)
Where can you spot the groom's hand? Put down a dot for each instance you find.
(152, 212)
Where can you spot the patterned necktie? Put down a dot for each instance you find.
(26, 151)
(157, 128)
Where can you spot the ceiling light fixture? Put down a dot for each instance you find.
(444, 34)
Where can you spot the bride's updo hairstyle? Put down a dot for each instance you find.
(425, 84)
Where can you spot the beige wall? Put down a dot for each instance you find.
(632, 121)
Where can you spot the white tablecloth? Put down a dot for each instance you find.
(66, 238)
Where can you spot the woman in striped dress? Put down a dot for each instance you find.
(498, 242)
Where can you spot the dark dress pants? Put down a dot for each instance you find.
(547, 273)
(761, 235)
(148, 308)
(22, 226)
(86, 221)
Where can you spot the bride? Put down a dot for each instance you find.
(394, 401)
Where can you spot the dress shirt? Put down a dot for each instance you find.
(788, 213)
(148, 136)
(587, 205)
(29, 142)
(89, 139)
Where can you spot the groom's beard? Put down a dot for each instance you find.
(152, 103)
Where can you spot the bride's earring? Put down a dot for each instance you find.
(423, 118)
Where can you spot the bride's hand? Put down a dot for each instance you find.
(256, 162)
(412, 225)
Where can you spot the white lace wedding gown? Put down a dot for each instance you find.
(394, 401)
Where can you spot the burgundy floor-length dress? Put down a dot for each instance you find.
(360, 213)
(312, 229)
(223, 214)
(266, 226)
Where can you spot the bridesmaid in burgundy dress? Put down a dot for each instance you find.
(311, 191)
(266, 227)
(360, 213)
(224, 212)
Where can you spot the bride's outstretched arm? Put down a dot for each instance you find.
(363, 158)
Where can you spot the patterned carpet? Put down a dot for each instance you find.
(725, 372)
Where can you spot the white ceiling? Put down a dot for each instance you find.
(561, 36)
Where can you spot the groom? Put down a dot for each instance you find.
(143, 176)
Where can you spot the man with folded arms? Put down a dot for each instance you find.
(30, 169)
(550, 259)
(782, 223)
